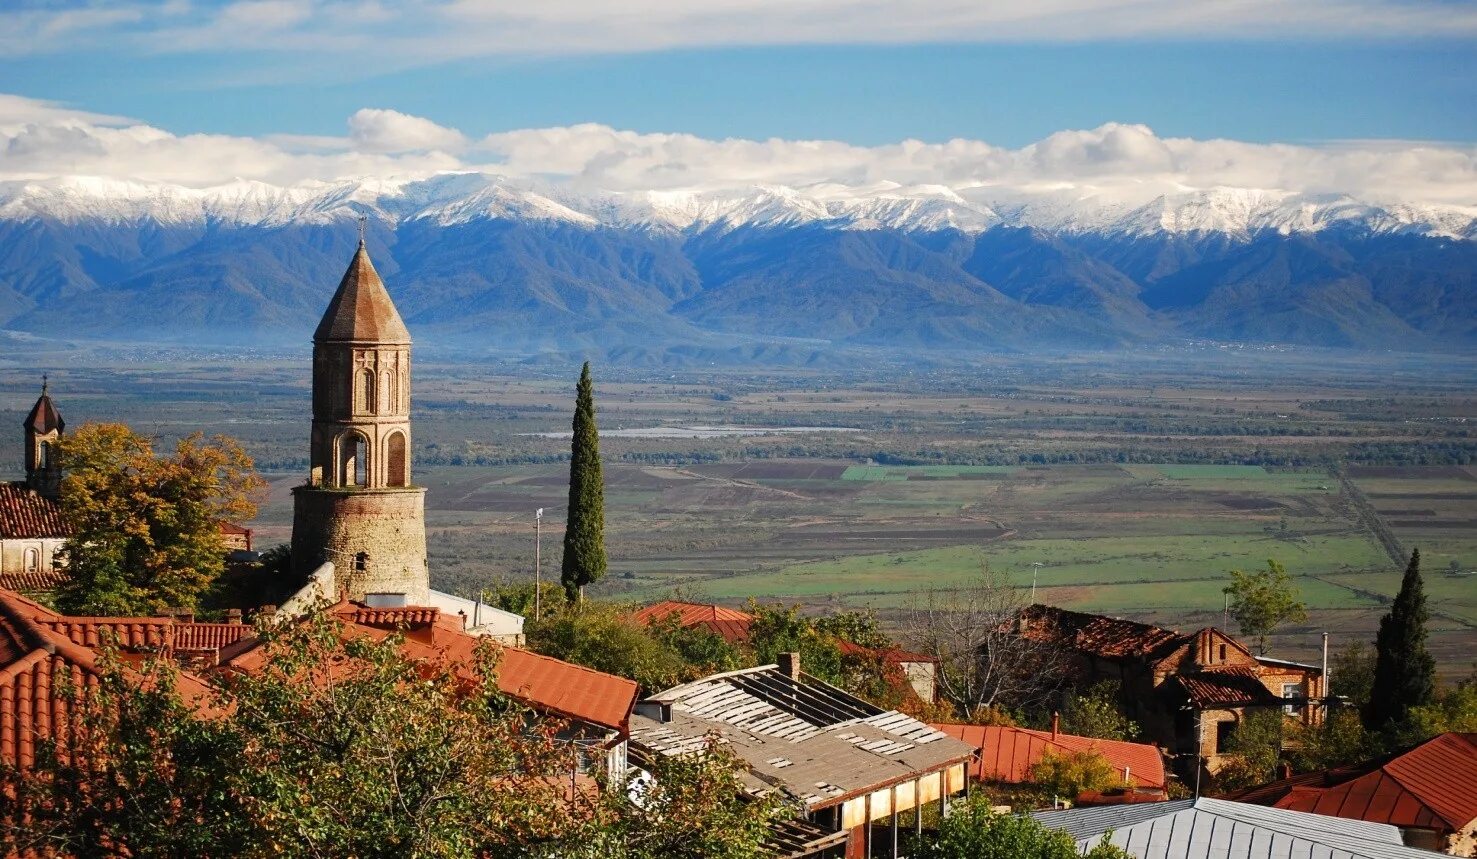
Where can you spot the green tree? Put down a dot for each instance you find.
(1255, 745)
(1068, 775)
(1263, 600)
(1099, 713)
(342, 746)
(145, 528)
(1340, 739)
(605, 637)
(1404, 672)
(584, 536)
(1353, 674)
(1453, 709)
(973, 831)
(777, 629)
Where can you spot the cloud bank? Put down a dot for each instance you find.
(435, 30)
(41, 140)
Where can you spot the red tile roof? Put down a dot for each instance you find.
(1431, 786)
(730, 624)
(32, 655)
(1007, 754)
(161, 634)
(40, 581)
(26, 515)
(1099, 635)
(889, 655)
(1224, 687)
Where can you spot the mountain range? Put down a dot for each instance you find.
(483, 264)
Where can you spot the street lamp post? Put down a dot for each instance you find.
(1035, 569)
(538, 562)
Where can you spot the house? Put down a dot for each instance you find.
(1189, 690)
(1216, 829)
(1007, 754)
(850, 764)
(919, 669)
(1429, 791)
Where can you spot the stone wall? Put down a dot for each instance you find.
(375, 538)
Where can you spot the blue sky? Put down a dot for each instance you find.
(1337, 69)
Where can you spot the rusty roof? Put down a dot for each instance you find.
(27, 515)
(361, 310)
(730, 624)
(1099, 635)
(38, 582)
(1007, 754)
(1431, 786)
(32, 655)
(44, 416)
(1225, 687)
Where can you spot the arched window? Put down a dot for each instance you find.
(399, 470)
(364, 391)
(33, 561)
(387, 390)
(43, 456)
(354, 459)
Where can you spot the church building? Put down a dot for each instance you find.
(32, 528)
(358, 509)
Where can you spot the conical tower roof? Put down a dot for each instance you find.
(361, 309)
(44, 416)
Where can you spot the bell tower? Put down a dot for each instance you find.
(358, 508)
(44, 426)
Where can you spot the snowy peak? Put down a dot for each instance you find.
(460, 198)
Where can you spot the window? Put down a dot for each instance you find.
(43, 456)
(1223, 735)
(364, 391)
(33, 561)
(399, 473)
(1291, 690)
(354, 459)
(361, 562)
(1223, 653)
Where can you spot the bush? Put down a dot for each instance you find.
(1069, 775)
(973, 831)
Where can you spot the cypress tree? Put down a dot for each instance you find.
(584, 536)
(1404, 672)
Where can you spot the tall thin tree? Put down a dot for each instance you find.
(1404, 672)
(584, 536)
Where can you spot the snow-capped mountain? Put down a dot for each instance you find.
(483, 261)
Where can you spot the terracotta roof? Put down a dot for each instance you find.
(40, 581)
(361, 309)
(1232, 687)
(32, 655)
(1007, 754)
(161, 634)
(44, 416)
(889, 655)
(1431, 786)
(24, 514)
(730, 624)
(1099, 635)
(544, 683)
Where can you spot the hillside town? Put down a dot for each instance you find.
(170, 687)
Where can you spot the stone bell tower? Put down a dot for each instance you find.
(44, 426)
(358, 509)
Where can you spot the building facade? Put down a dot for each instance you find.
(359, 509)
(32, 528)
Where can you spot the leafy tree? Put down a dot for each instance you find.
(704, 650)
(777, 629)
(1404, 672)
(346, 748)
(973, 831)
(1453, 709)
(857, 627)
(1099, 713)
(145, 528)
(1352, 671)
(1071, 774)
(1263, 600)
(605, 637)
(1339, 740)
(584, 536)
(1255, 745)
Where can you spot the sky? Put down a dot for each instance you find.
(1374, 94)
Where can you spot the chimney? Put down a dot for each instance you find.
(790, 664)
(1056, 723)
(233, 615)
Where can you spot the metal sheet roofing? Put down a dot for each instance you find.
(24, 514)
(1007, 754)
(1432, 786)
(1217, 829)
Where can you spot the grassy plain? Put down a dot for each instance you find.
(1136, 484)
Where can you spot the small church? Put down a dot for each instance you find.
(32, 528)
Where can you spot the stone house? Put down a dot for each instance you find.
(1186, 690)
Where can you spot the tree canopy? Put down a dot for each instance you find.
(584, 534)
(973, 831)
(1404, 671)
(1263, 600)
(146, 528)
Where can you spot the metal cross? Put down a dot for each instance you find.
(363, 219)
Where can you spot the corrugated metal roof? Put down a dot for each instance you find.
(26, 515)
(1007, 754)
(1218, 829)
(1432, 786)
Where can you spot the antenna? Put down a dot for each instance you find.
(362, 221)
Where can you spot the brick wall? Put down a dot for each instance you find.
(386, 526)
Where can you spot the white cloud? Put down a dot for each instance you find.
(377, 130)
(1127, 162)
(436, 30)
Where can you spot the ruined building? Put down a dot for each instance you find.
(358, 509)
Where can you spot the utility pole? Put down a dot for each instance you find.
(538, 562)
(1035, 568)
